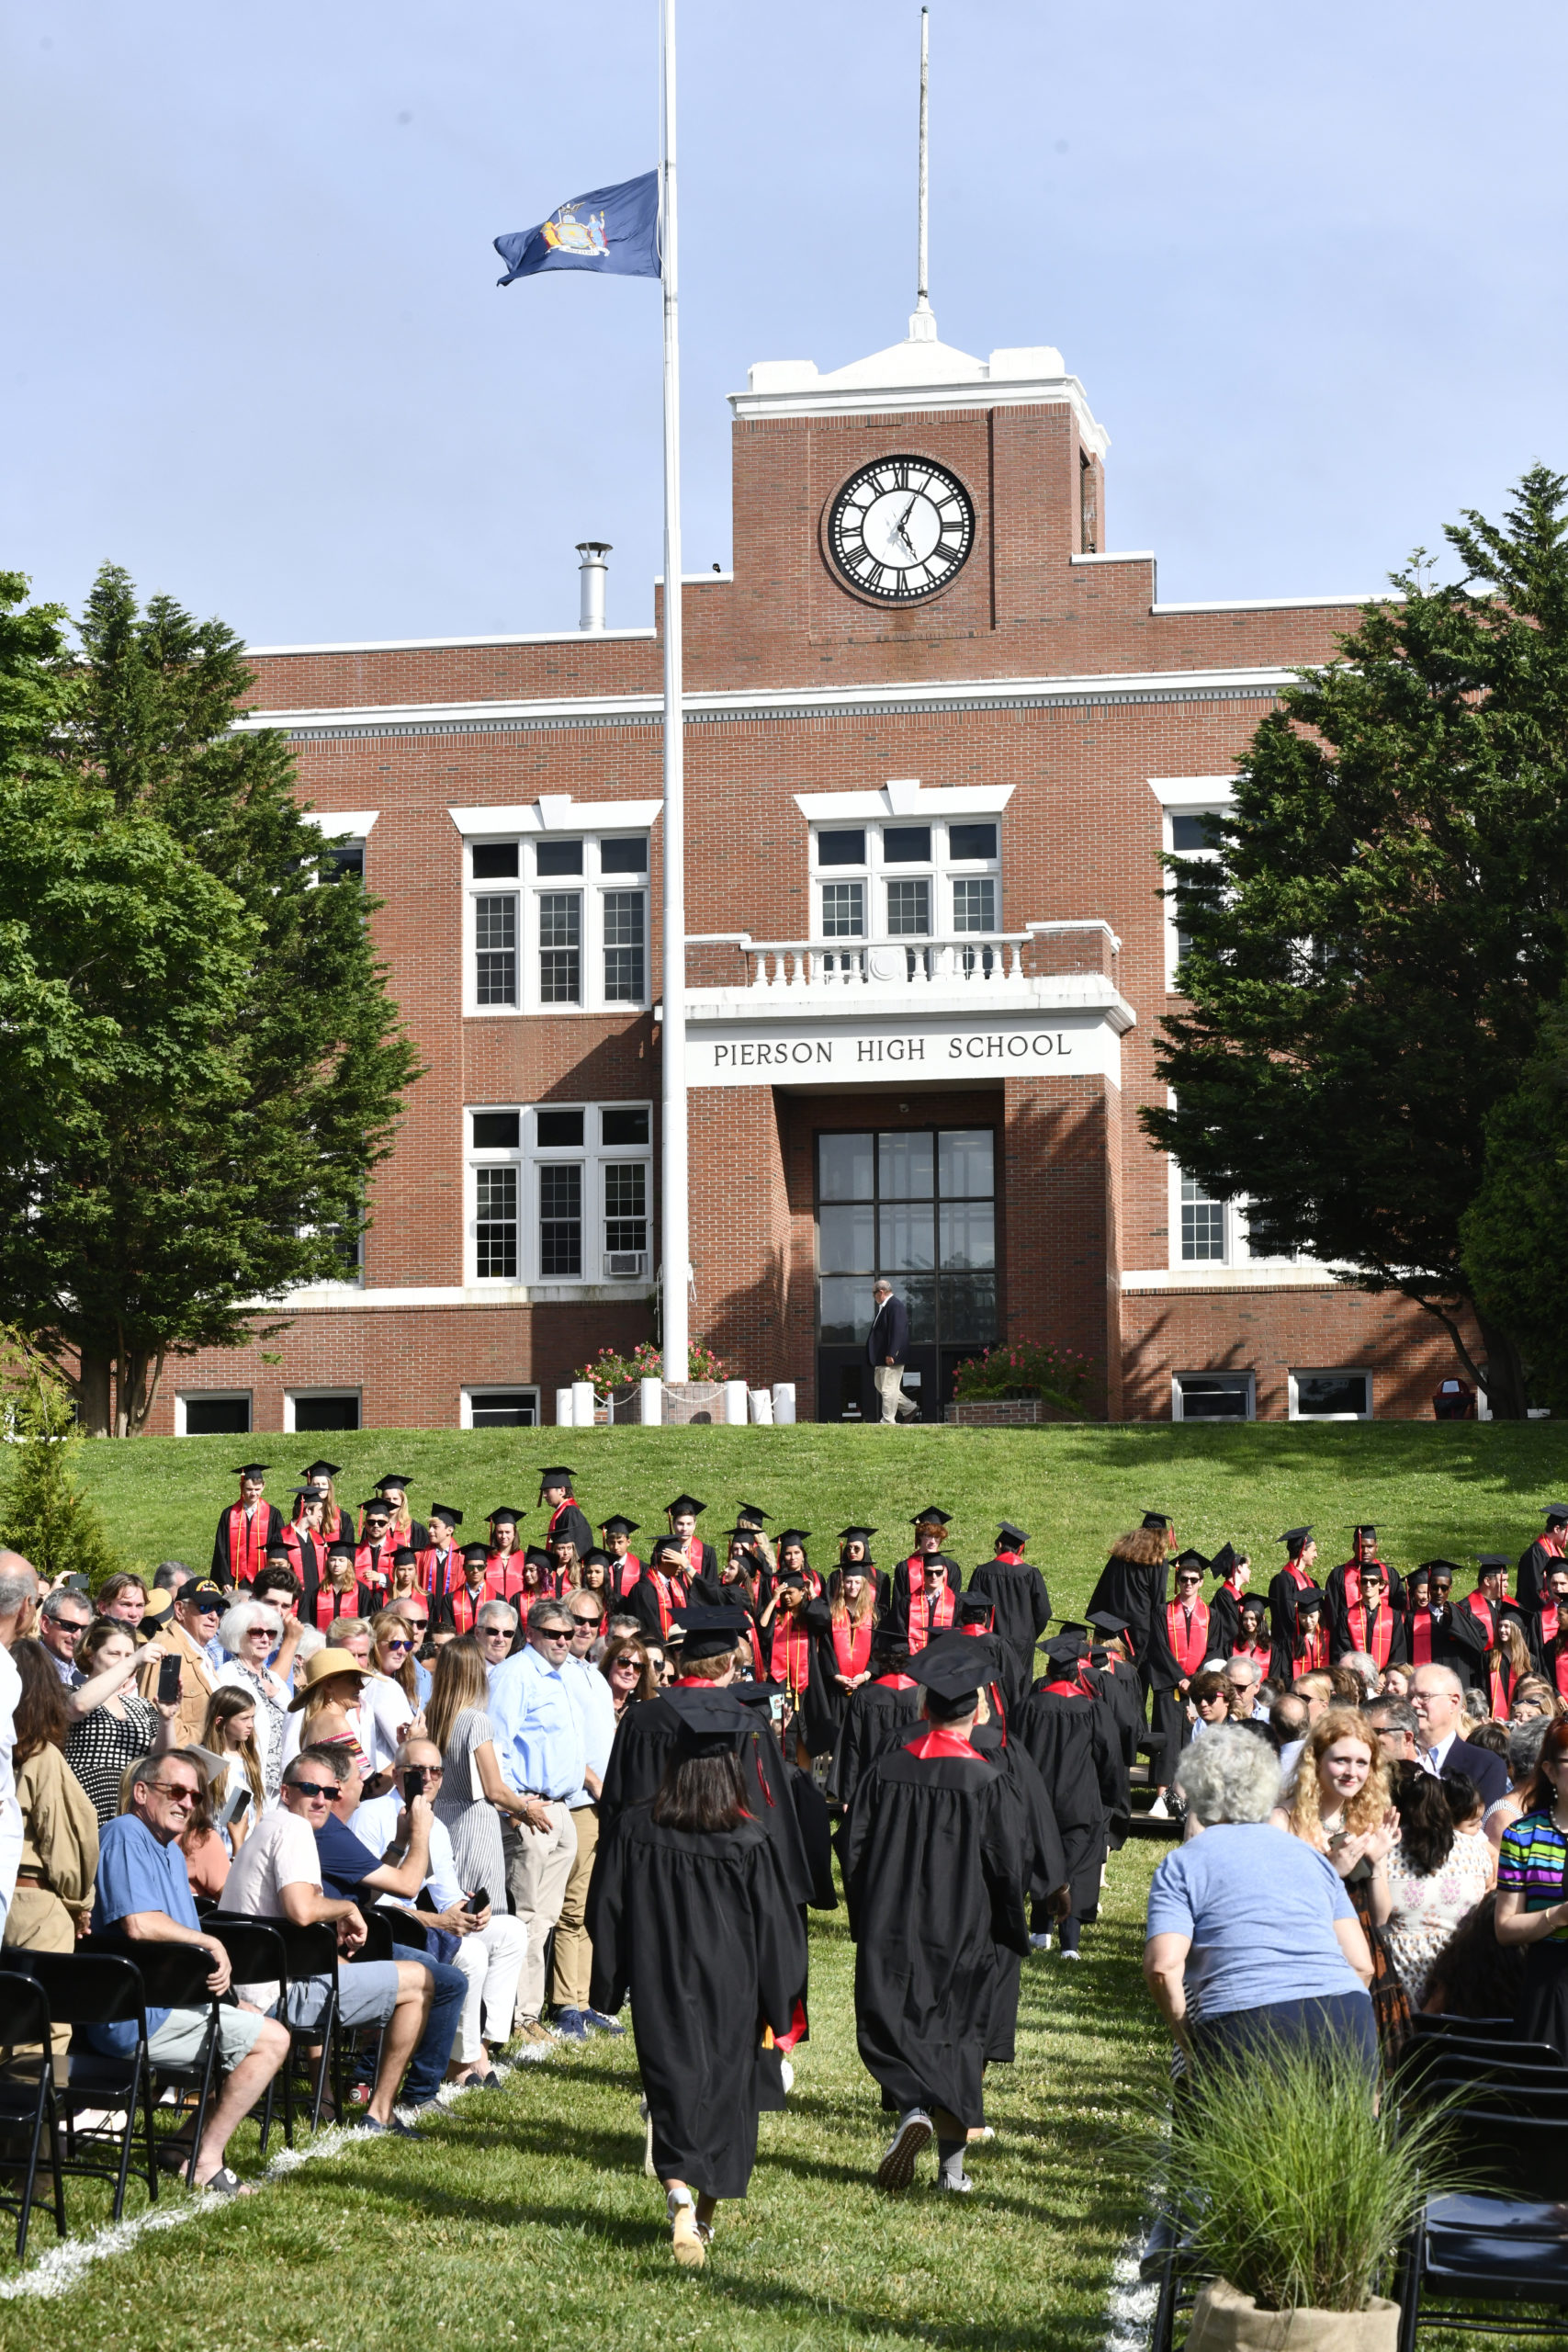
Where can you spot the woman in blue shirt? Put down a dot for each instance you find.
(1251, 1935)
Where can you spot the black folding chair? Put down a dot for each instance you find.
(1507, 2247)
(1468, 2028)
(96, 1989)
(174, 1977)
(280, 1950)
(256, 1956)
(27, 2098)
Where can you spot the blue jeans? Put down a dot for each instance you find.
(1329, 2023)
(427, 2068)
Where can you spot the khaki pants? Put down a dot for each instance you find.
(574, 1953)
(538, 1864)
(40, 1922)
(889, 1379)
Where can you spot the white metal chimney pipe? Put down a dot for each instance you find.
(592, 574)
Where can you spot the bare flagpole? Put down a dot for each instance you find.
(923, 326)
(675, 1225)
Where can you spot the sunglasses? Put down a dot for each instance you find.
(325, 1790)
(579, 1617)
(397, 1643)
(554, 1634)
(177, 1794)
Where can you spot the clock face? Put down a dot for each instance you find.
(900, 529)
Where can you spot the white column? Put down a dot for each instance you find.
(566, 1411)
(734, 1401)
(582, 1404)
(652, 1406)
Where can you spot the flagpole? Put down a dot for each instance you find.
(675, 1224)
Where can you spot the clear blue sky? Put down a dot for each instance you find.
(1310, 266)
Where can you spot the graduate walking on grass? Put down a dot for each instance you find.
(691, 1916)
(935, 1852)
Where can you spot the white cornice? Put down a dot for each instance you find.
(914, 379)
(558, 813)
(1191, 791)
(752, 704)
(452, 644)
(906, 796)
(1277, 604)
(1219, 1278)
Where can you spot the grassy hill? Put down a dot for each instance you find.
(1450, 1489)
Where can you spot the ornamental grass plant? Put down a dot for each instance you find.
(1293, 2183)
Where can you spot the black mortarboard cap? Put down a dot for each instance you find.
(686, 1503)
(377, 1503)
(594, 1558)
(1363, 1527)
(1106, 1620)
(1309, 1597)
(1226, 1558)
(475, 1554)
(557, 1475)
(1010, 1533)
(938, 1560)
(793, 1577)
(1158, 1520)
(1293, 1535)
(953, 1668)
(448, 1512)
(404, 1556)
(618, 1524)
(710, 1723)
(974, 1613)
(710, 1632)
(396, 1478)
(535, 1556)
(737, 1534)
(1373, 1568)
(801, 1535)
(753, 1511)
(307, 1494)
(932, 1517)
(504, 1510)
(856, 1534)
(1439, 1567)
(1492, 1560)
(250, 1470)
(322, 1470)
(1191, 1559)
(662, 1545)
(276, 1551)
(1556, 1510)
(342, 1543)
(1066, 1648)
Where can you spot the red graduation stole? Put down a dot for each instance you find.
(691, 1552)
(1548, 1621)
(327, 1606)
(568, 1502)
(933, 1615)
(1420, 1638)
(1312, 1655)
(939, 1742)
(1294, 1568)
(1481, 1610)
(1064, 1689)
(465, 1606)
(1557, 1649)
(1372, 1632)
(247, 1541)
(896, 1682)
(308, 1552)
(1259, 1656)
(372, 1563)
(852, 1644)
(789, 1654)
(1189, 1639)
(625, 1574)
(1012, 1558)
(670, 1592)
(435, 1575)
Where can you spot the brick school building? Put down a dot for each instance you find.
(938, 733)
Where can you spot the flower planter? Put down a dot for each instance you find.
(1226, 2320)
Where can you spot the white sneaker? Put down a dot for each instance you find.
(1158, 1810)
(1040, 1943)
(786, 2075)
(1072, 1955)
(913, 2136)
(961, 2187)
(686, 2242)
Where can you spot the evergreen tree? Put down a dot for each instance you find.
(201, 1061)
(45, 1515)
(1515, 1233)
(1385, 923)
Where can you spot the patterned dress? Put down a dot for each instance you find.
(1429, 1906)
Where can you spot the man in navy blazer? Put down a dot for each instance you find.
(885, 1350)
(1436, 1694)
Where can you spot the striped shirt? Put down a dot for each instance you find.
(1534, 1862)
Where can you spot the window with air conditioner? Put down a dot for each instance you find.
(560, 1193)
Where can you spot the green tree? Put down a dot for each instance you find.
(202, 1064)
(1515, 1233)
(1384, 924)
(45, 1515)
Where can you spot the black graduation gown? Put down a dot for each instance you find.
(367, 1603)
(644, 1739)
(1342, 1634)
(1224, 1622)
(879, 1577)
(1047, 1871)
(642, 1602)
(824, 1703)
(570, 1520)
(875, 1716)
(1020, 1606)
(935, 1853)
(702, 1930)
(1529, 1583)
(1458, 1642)
(1069, 1738)
(1123, 1701)
(1283, 1591)
(1137, 1596)
(222, 1567)
(899, 1605)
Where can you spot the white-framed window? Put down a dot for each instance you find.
(1205, 1237)
(556, 922)
(212, 1413)
(937, 878)
(561, 1192)
(1184, 836)
(1213, 1396)
(500, 1409)
(319, 1408)
(1331, 1396)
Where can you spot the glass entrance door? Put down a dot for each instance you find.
(916, 1205)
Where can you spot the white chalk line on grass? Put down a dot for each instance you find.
(1131, 2310)
(68, 2262)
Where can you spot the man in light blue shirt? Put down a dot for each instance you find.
(590, 1693)
(541, 1749)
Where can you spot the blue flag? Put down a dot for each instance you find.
(611, 230)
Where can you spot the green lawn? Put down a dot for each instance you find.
(1453, 1489)
(527, 2217)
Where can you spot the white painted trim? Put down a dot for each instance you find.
(559, 813)
(1129, 554)
(1259, 1275)
(749, 703)
(1278, 604)
(1192, 792)
(184, 1397)
(822, 397)
(1329, 1372)
(333, 1298)
(444, 644)
(484, 1388)
(291, 1396)
(698, 579)
(1213, 1372)
(906, 798)
(352, 824)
